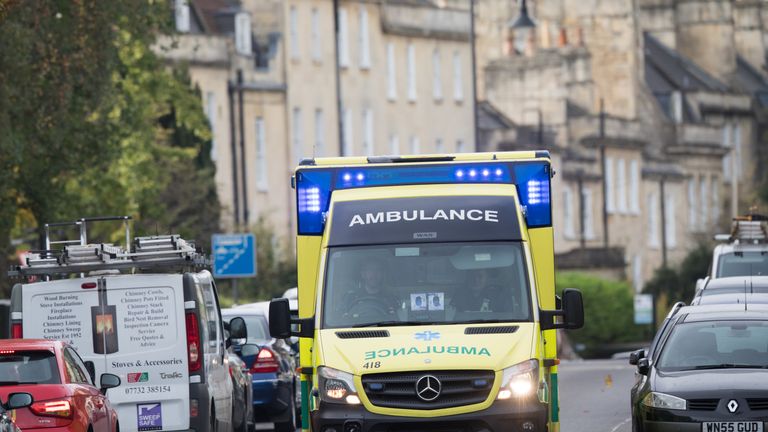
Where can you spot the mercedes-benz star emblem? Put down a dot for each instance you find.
(733, 406)
(428, 388)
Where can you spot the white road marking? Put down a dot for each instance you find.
(615, 428)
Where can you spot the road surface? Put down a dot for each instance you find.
(594, 395)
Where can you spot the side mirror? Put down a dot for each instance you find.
(108, 381)
(18, 400)
(91, 368)
(643, 365)
(573, 307)
(279, 318)
(237, 330)
(571, 312)
(635, 356)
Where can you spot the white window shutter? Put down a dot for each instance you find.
(415, 145)
(394, 145)
(609, 185)
(210, 113)
(319, 133)
(391, 73)
(182, 16)
(458, 80)
(261, 155)
(411, 69)
(368, 146)
(669, 219)
(293, 24)
(622, 184)
(693, 209)
(298, 143)
(343, 46)
(634, 186)
(365, 42)
(569, 230)
(315, 34)
(589, 220)
(653, 220)
(347, 131)
(704, 204)
(243, 33)
(437, 82)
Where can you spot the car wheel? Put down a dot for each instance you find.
(290, 425)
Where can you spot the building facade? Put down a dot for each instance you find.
(275, 94)
(651, 110)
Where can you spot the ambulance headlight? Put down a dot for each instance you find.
(520, 381)
(337, 386)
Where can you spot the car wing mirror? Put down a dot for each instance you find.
(238, 332)
(635, 356)
(643, 366)
(248, 353)
(18, 400)
(108, 381)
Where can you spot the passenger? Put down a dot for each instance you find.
(482, 295)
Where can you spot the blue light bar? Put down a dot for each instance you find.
(314, 186)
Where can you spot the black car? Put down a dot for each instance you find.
(15, 401)
(706, 372)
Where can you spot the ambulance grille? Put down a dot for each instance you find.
(490, 330)
(457, 388)
(362, 334)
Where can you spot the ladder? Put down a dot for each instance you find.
(159, 253)
(747, 229)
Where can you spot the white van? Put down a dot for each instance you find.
(160, 332)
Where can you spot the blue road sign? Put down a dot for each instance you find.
(234, 255)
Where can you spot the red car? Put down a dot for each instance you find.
(61, 385)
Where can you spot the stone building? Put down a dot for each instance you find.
(650, 109)
(268, 75)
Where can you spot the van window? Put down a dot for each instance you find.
(28, 367)
(743, 264)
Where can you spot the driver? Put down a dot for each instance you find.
(372, 290)
(482, 294)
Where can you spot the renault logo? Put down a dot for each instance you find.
(428, 388)
(732, 406)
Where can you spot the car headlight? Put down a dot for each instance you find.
(520, 380)
(665, 401)
(337, 386)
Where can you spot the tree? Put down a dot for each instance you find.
(679, 284)
(93, 123)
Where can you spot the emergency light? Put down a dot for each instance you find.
(314, 186)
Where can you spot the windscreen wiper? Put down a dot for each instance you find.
(726, 366)
(483, 321)
(395, 323)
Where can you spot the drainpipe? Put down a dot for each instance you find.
(243, 174)
(582, 213)
(663, 224)
(338, 76)
(606, 240)
(232, 140)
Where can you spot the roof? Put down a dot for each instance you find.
(714, 312)
(595, 257)
(750, 80)
(490, 118)
(667, 70)
(718, 297)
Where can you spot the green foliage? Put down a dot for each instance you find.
(608, 312)
(678, 284)
(95, 124)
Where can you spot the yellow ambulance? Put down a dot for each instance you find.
(426, 293)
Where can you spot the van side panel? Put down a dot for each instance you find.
(128, 325)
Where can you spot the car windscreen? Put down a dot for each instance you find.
(716, 345)
(28, 367)
(430, 283)
(743, 264)
(257, 326)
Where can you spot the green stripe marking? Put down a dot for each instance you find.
(304, 404)
(555, 398)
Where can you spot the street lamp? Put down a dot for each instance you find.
(522, 28)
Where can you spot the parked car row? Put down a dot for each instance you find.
(705, 369)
